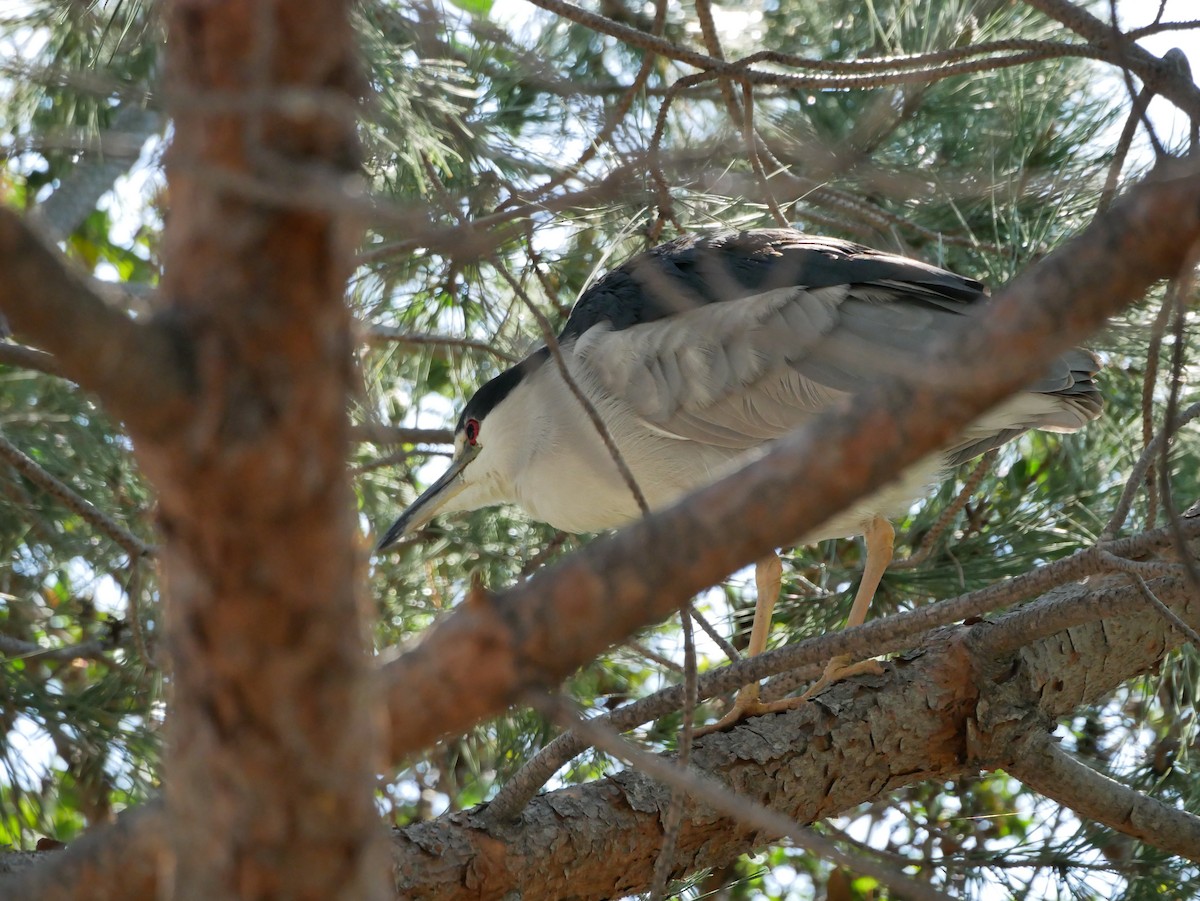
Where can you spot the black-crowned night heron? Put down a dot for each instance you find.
(696, 355)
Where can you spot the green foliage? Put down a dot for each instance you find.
(469, 116)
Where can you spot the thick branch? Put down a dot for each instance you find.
(964, 703)
(949, 710)
(136, 368)
(28, 358)
(271, 758)
(485, 655)
(1048, 769)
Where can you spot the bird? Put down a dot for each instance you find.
(695, 356)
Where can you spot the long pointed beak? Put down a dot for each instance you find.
(426, 507)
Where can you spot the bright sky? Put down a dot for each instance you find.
(1135, 13)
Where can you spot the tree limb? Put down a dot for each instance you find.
(1047, 768)
(28, 358)
(136, 368)
(71, 499)
(804, 660)
(488, 653)
(950, 709)
(965, 701)
(377, 433)
(1160, 76)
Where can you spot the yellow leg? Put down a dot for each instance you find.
(880, 538)
(768, 576)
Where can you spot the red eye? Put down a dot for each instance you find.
(472, 431)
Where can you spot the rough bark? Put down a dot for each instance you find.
(953, 707)
(964, 701)
(272, 748)
(292, 531)
(138, 369)
(272, 738)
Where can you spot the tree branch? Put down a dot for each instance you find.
(1047, 768)
(88, 511)
(934, 715)
(137, 369)
(804, 660)
(488, 653)
(947, 710)
(28, 358)
(1160, 76)
(376, 433)
(383, 334)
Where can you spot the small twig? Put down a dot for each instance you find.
(865, 73)
(15, 649)
(1149, 384)
(383, 334)
(1109, 191)
(1153, 569)
(537, 268)
(1136, 34)
(84, 508)
(377, 433)
(712, 43)
(721, 641)
(616, 112)
(653, 656)
(674, 817)
(1134, 570)
(393, 460)
(709, 791)
(1119, 49)
(1170, 421)
(944, 521)
(1138, 107)
(552, 547)
(751, 139)
(133, 591)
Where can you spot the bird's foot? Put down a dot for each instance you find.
(746, 704)
(839, 668)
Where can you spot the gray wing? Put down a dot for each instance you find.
(736, 374)
(739, 338)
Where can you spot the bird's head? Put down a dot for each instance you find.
(486, 436)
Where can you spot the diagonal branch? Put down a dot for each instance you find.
(72, 500)
(138, 369)
(28, 358)
(936, 715)
(803, 661)
(1159, 75)
(487, 654)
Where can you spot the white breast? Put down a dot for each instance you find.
(570, 480)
